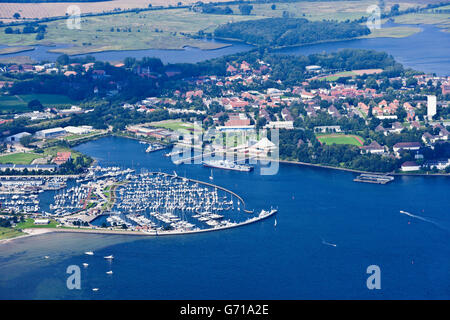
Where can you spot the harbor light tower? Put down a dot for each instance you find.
(431, 107)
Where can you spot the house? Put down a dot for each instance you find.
(62, 157)
(237, 119)
(438, 164)
(409, 166)
(411, 146)
(374, 148)
(326, 129)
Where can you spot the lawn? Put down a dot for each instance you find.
(29, 223)
(174, 125)
(19, 158)
(340, 139)
(19, 103)
(8, 233)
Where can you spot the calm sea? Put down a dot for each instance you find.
(292, 260)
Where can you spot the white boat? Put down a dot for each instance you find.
(85, 265)
(89, 253)
(46, 257)
(109, 272)
(95, 289)
(109, 257)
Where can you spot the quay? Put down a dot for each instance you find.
(374, 178)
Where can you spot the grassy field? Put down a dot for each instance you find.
(19, 158)
(174, 125)
(441, 20)
(146, 30)
(10, 50)
(19, 103)
(29, 223)
(336, 10)
(8, 233)
(392, 32)
(27, 158)
(340, 139)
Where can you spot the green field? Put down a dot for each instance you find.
(159, 29)
(174, 125)
(317, 11)
(441, 20)
(340, 139)
(29, 223)
(8, 233)
(19, 158)
(19, 103)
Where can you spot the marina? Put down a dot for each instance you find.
(119, 200)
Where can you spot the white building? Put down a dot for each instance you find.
(431, 107)
(280, 125)
(16, 138)
(50, 133)
(78, 130)
(409, 166)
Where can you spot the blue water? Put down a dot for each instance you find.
(186, 55)
(258, 261)
(427, 51)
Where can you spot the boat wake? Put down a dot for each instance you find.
(423, 219)
(328, 243)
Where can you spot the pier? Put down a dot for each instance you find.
(374, 178)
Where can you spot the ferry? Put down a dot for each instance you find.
(227, 165)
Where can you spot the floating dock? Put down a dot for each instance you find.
(374, 178)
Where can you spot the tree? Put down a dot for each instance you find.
(35, 105)
(26, 140)
(16, 15)
(245, 9)
(63, 60)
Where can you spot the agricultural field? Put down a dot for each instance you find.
(19, 103)
(43, 10)
(317, 11)
(159, 29)
(340, 139)
(441, 20)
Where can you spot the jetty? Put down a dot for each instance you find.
(374, 178)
